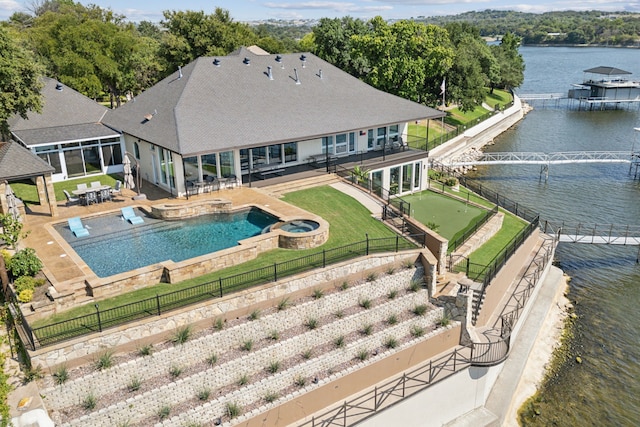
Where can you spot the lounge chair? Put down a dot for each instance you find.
(129, 215)
(75, 224)
(70, 199)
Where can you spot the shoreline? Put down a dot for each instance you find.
(541, 355)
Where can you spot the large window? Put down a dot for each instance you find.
(226, 164)
(381, 137)
(190, 165)
(259, 156)
(209, 165)
(416, 175)
(394, 180)
(112, 154)
(290, 152)
(51, 155)
(345, 143)
(327, 145)
(393, 133)
(407, 177)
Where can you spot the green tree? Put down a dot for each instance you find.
(88, 48)
(510, 62)
(193, 34)
(333, 42)
(11, 230)
(19, 81)
(406, 58)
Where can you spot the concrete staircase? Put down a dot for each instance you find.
(278, 190)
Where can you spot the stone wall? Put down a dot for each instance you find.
(159, 328)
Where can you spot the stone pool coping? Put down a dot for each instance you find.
(171, 272)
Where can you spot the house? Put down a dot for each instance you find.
(248, 113)
(68, 134)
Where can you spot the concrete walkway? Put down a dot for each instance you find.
(369, 202)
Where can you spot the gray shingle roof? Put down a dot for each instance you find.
(65, 115)
(213, 108)
(16, 162)
(65, 133)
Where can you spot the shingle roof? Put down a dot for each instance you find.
(65, 133)
(66, 115)
(211, 108)
(16, 162)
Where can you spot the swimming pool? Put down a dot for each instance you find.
(115, 246)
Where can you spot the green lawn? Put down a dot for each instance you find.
(498, 96)
(452, 216)
(511, 226)
(349, 222)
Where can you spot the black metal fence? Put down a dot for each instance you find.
(471, 230)
(155, 306)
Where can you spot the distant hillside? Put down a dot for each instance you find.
(559, 28)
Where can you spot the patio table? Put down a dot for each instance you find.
(92, 194)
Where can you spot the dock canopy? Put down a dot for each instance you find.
(608, 71)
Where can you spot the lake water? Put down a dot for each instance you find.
(605, 286)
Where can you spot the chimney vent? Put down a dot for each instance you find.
(216, 62)
(59, 86)
(246, 61)
(295, 70)
(269, 73)
(179, 72)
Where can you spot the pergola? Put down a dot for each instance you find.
(18, 163)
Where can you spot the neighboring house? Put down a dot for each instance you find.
(233, 116)
(68, 134)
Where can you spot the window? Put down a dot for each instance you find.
(53, 159)
(352, 142)
(416, 175)
(112, 154)
(136, 150)
(275, 154)
(327, 141)
(259, 156)
(209, 165)
(393, 133)
(394, 180)
(407, 175)
(381, 138)
(290, 152)
(190, 165)
(370, 139)
(341, 143)
(226, 164)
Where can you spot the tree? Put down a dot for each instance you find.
(406, 58)
(88, 48)
(193, 34)
(11, 230)
(333, 42)
(510, 62)
(19, 82)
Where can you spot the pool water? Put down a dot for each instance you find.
(115, 246)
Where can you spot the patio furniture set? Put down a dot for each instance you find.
(95, 193)
(211, 183)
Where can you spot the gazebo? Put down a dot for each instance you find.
(18, 163)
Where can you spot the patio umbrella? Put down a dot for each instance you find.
(128, 176)
(12, 202)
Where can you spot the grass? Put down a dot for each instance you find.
(340, 210)
(90, 402)
(511, 226)
(61, 375)
(451, 215)
(182, 335)
(104, 361)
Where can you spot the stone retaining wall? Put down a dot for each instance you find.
(78, 350)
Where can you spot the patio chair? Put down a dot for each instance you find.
(129, 215)
(104, 195)
(75, 224)
(82, 186)
(212, 183)
(96, 184)
(70, 199)
(117, 189)
(90, 197)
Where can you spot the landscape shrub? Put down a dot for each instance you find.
(25, 262)
(25, 296)
(27, 282)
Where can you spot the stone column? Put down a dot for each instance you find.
(4, 207)
(51, 192)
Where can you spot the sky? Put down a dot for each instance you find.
(253, 10)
